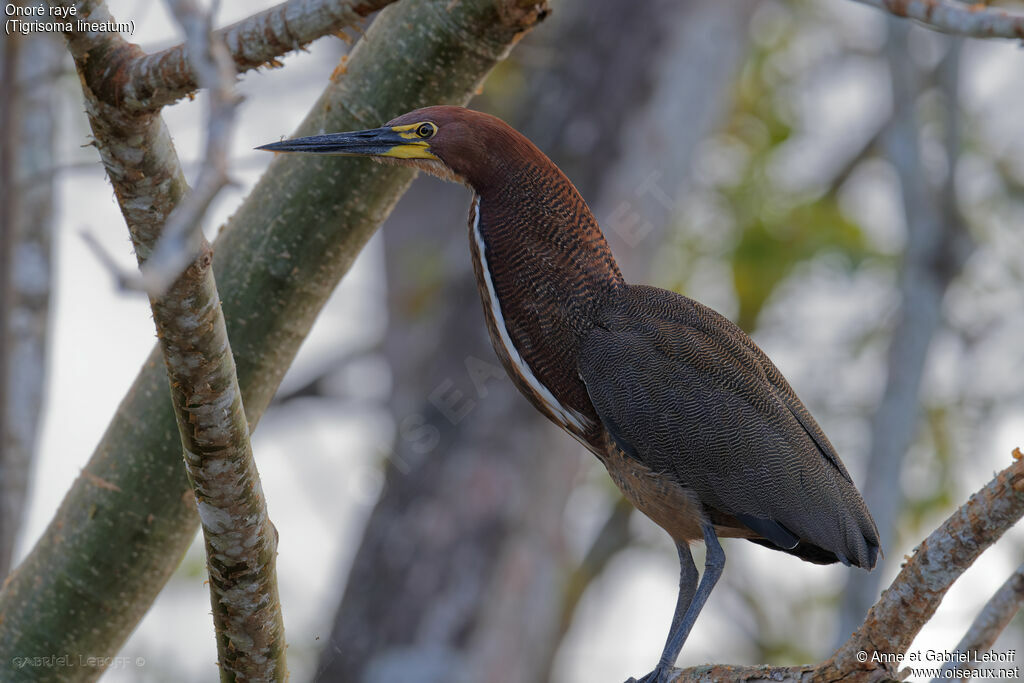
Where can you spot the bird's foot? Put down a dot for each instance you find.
(659, 675)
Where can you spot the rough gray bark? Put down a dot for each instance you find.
(156, 80)
(241, 543)
(240, 540)
(29, 130)
(937, 246)
(129, 517)
(462, 574)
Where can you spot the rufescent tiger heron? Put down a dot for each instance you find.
(694, 423)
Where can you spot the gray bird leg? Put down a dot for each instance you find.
(690, 601)
(687, 587)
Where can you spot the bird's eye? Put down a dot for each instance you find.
(426, 130)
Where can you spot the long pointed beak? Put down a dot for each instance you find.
(382, 142)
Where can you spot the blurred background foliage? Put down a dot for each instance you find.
(777, 228)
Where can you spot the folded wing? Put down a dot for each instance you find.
(687, 393)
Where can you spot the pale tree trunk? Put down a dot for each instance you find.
(31, 66)
(936, 248)
(641, 195)
(462, 572)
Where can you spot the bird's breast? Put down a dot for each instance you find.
(526, 315)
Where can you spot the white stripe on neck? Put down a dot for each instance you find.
(567, 416)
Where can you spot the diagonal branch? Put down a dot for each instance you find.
(241, 542)
(125, 523)
(972, 20)
(179, 241)
(915, 593)
(163, 219)
(159, 79)
(912, 597)
(990, 622)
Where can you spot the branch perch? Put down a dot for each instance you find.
(180, 239)
(991, 620)
(911, 599)
(128, 519)
(159, 79)
(915, 594)
(958, 18)
(241, 542)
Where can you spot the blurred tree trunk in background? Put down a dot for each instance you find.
(937, 246)
(471, 508)
(28, 109)
(462, 573)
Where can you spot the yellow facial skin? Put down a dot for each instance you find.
(417, 147)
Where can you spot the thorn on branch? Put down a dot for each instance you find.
(215, 71)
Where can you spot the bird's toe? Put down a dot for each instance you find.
(659, 675)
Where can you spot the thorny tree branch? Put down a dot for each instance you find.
(179, 241)
(972, 20)
(915, 594)
(122, 75)
(152, 81)
(990, 622)
(163, 219)
(241, 542)
(211, 65)
(125, 523)
(911, 599)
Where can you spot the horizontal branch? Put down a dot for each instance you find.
(159, 79)
(958, 18)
